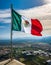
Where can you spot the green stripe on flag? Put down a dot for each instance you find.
(16, 21)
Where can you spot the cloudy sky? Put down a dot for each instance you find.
(40, 9)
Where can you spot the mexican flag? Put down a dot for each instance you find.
(21, 23)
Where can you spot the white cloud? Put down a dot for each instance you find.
(5, 20)
(32, 12)
(37, 12)
(5, 13)
(40, 12)
(47, 1)
(5, 16)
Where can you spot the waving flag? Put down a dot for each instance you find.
(21, 23)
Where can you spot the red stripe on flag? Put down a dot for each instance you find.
(36, 27)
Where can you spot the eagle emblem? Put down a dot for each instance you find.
(26, 23)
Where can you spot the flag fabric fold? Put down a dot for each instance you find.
(21, 23)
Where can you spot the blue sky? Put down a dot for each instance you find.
(20, 4)
(25, 7)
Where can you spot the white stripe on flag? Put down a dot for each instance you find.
(24, 28)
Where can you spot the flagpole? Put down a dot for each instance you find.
(11, 35)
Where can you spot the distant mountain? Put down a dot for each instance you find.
(44, 39)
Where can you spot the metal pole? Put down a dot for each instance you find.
(11, 36)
